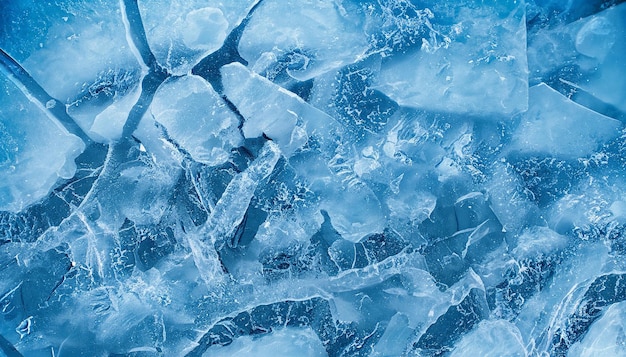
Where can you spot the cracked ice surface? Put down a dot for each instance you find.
(312, 178)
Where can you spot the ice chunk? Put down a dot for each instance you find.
(559, 297)
(82, 58)
(181, 33)
(472, 210)
(373, 249)
(355, 211)
(35, 150)
(513, 209)
(556, 126)
(413, 206)
(229, 212)
(281, 342)
(458, 320)
(108, 125)
(395, 339)
(536, 242)
(491, 338)
(606, 335)
(230, 209)
(205, 28)
(586, 55)
(196, 118)
(483, 69)
(579, 312)
(316, 37)
(269, 109)
(603, 37)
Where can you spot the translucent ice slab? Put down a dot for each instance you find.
(481, 70)
(35, 150)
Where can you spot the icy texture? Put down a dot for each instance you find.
(589, 55)
(560, 128)
(89, 63)
(312, 178)
(267, 108)
(316, 37)
(282, 342)
(480, 68)
(197, 119)
(180, 33)
(34, 150)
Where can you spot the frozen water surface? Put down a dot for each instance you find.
(312, 178)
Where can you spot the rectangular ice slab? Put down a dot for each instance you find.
(556, 126)
(196, 118)
(79, 53)
(308, 37)
(482, 70)
(35, 151)
(268, 109)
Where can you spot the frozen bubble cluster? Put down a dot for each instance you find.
(312, 178)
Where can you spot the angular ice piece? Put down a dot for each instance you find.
(181, 33)
(554, 303)
(586, 54)
(484, 239)
(316, 37)
(354, 211)
(35, 150)
(449, 327)
(231, 208)
(395, 339)
(579, 312)
(483, 70)
(606, 335)
(306, 313)
(556, 126)
(472, 210)
(281, 342)
(603, 36)
(78, 52)
(269, 109)
(196, 118)
(412, 206)
(536, 242)
(370, 250)
(512, 208)
(108, 125)
(492, 338)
